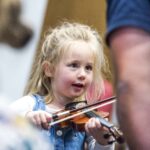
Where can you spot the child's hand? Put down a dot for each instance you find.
(94, 128)
(40, 118)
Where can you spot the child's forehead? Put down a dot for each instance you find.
(79, 51)
(79, 47)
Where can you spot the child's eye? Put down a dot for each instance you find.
(74, 65)
(89, 67)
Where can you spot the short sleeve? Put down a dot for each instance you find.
(121, 13)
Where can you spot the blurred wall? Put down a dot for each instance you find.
(15, 64)
(90, 12)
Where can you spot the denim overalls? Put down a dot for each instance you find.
(61, 139)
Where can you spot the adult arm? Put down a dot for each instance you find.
(131, 55)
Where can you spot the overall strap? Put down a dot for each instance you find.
(39, 102)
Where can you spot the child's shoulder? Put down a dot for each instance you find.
(27, 97)
(24, 99)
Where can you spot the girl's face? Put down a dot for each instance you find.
(74, 72)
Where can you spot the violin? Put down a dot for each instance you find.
(76, 114)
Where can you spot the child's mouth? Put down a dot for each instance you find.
(78, 85)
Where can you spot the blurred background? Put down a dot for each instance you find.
(16, 59)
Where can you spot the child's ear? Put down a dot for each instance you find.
(48, 69)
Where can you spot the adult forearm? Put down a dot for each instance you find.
(131, 54)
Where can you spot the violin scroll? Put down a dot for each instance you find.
(117, 134)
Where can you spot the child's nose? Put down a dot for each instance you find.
(82, 74)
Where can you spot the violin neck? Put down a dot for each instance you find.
(103, 121)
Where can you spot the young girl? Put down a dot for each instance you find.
(71, 60)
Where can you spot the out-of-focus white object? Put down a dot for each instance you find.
(15, 65)
(16, 133)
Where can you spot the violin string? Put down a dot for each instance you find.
(80, 113)
(59, 114)
(97, 103)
